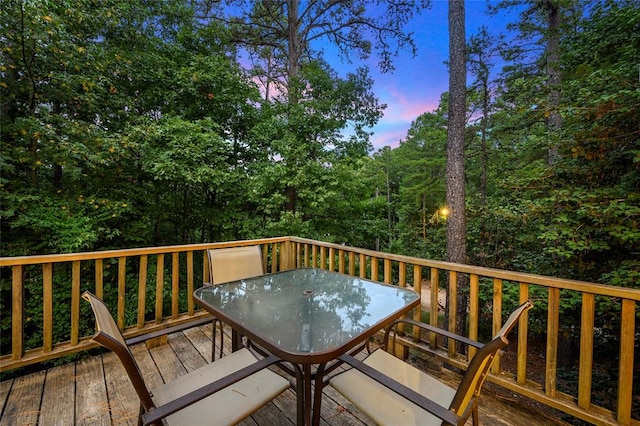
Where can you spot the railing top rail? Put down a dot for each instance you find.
(546, 281)
(69, 257)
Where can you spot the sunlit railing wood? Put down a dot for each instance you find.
(179, 269)
(175, 279)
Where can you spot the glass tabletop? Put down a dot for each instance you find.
(307, 310)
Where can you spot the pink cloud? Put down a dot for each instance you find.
(390, 138)
(403, 107)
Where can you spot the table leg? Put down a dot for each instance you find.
(299, 396)
(304, 382)
(317, 395)
(306, 370)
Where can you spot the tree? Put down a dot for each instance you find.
(456, 222)
(97, 101)
(284, 37)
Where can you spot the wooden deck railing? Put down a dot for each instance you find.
(145, 304)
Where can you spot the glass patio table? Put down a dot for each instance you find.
(307, 317)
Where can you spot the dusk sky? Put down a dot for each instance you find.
(417, 82)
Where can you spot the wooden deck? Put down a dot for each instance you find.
(96, 391)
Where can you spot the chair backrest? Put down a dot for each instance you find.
(513, 318)
(234, 263)
(108, 335)
(481, 362)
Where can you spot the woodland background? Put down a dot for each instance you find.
(135, 123)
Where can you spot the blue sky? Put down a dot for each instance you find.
(417, 82)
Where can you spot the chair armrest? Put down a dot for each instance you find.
(448, 416)
(429, 327)
(159, 413)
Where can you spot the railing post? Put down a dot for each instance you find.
(287, 256)
(625, 372)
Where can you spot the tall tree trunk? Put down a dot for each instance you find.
(293, 68)
(294, 49)
(456, 223)
(554, 77)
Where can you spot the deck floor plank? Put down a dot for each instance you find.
(168, 363)
(188, 355)
(123, 400)
(91, 403)
(104, 395)
(58, 399)
(5, 388)
(147, 366)
(200, 338)
(23, 403)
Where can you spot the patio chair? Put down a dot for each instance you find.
(392, 392)
(230, 264)
(223, 392)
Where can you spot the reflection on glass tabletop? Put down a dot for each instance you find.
(307, 310)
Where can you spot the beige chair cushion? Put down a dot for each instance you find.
(230, 405)
(384, 406)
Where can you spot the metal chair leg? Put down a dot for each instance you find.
(474, 414)
(213, 339)
(221, 338)
(216, 323)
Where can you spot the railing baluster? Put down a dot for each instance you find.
(402, 280)
(523, 333)
(99, 275)
(332, 259)
(363, 265)
(497, 318)
(453, 309)
(553, 317)
(323, 257)
(341, 261)
(275, 257)
(402, 274)
(374, 268)
(306, 255)
(122, 289)
(474, 311)
(417, 286)
(387, 271)
(47, 308)
(142, 290)
(314, 256)
(175, 285)
(190, 303)
(586, 350)
(17, 315)
(75, 302)
(352, 263)
(159, 286)
(205, 265)
(433, 314)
